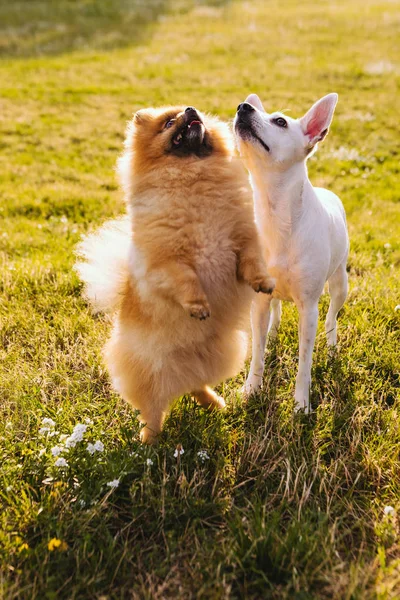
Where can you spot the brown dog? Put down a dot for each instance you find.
(178, 271)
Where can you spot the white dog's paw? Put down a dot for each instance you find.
(252, 385)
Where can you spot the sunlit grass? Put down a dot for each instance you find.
(283, 506)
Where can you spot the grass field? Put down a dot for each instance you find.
(262, 504)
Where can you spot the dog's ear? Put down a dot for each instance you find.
(315, 123)
(140, 116)
(254, 100)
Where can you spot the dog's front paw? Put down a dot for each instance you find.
(198, 309)
(263, 284)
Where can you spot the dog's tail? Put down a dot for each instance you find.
(103, 264)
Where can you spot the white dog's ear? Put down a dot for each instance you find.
(316, 121)
(254, 100)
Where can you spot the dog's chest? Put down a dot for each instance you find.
(212, 252)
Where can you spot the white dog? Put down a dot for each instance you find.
(303, 229)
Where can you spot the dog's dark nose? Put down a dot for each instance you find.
(245, 107)
(190, 108)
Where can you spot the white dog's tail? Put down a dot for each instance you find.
(104, 268)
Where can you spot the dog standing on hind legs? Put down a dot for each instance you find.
(303, 230)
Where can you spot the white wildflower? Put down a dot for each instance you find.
(42, 451)
(9, 425)
(76, 436)
(114, 483)
(96, 447)
(99, 446)
(178, 451)
(397, 307)
(389, 510)
(61, 462)
(203, 455)
(56, 450)
(88, 421)
(387, 245)
(44, 430)
(149, 462)
(46, 422)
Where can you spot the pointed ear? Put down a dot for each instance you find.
(140, 116)
(254, 100)
(316, 121)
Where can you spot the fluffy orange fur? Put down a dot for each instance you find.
(178, 271)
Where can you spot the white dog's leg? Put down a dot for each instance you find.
(307, 332)
(276, 314)
(259, 326)
(338, 291)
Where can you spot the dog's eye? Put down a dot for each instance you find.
(169, 123)
(280, 122)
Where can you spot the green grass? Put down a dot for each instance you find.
(285, 507)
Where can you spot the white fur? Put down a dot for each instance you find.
(106, 263)
(303, 230)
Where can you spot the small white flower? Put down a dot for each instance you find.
(396, 308)
(61, 462)
(64, 219)
(387, 245)
(178, 451)
(70, 442)
(48, 422)
(99, 446)
(79, 429)
(56, 450)
(149, 462)
(82, 503)
(88, 421)
(9, 425)
(389, 510)
(114, 483)
(44, 430)
(96, 447)
(63, 437)
(42, 451)
(203, 455)
(76, 435)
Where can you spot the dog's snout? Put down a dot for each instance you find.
(245, 107)
(190, 109)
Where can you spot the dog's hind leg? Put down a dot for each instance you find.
(207, 398)
(338, 286)
(152, 415)
(276, 314)
(260, 316)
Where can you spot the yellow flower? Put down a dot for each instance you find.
(23, 547)
(56, 544)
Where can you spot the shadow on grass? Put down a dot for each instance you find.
(50, 27)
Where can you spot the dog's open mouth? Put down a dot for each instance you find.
(192, 133)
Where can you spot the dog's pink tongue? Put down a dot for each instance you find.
(194, 123)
